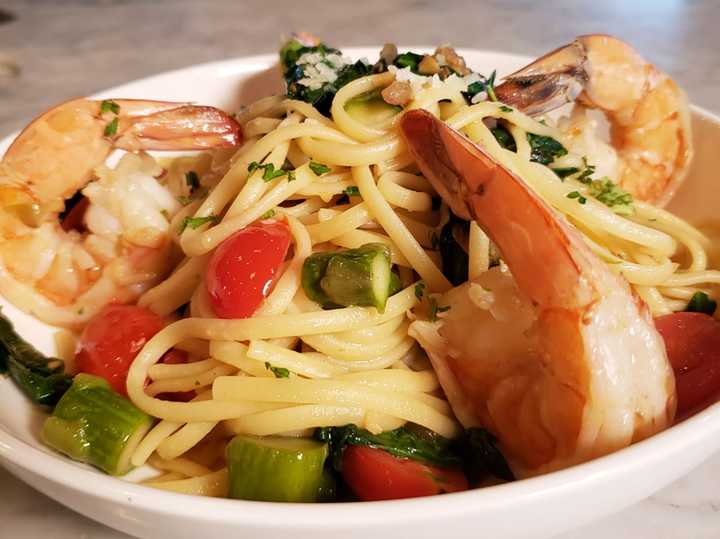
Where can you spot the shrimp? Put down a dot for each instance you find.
(553, 353)
(648, 113)
(122, 246)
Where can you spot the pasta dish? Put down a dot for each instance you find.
(397, 279)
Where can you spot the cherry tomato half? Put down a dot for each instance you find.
(692, 341)
(112, 339)
(374, 474)
(244, 267)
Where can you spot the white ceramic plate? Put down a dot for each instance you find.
(537, 507)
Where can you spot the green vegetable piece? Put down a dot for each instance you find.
(410, 442)
(610, 194)
(108, 105)
(505, 108)
(197, 222)
(41, 378)
(93, 424)
(111, 128)
(370, 108)
(295, 76)
(359, 276)
(318, 168)
(353, 191)
(481, 456)
(395, 284)
(576, 194)
(545, 150)
(275, 469)
(563, 173)
(419, 289)
(504, 138)
(328, 488)
(279, 372)
(700, 302)
(454, 258)
(408, 59)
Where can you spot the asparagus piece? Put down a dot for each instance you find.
(359, 276)
(94, 424)
(277, 469)
(41, 378)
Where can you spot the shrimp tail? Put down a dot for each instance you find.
(550, 82)
(158, 125)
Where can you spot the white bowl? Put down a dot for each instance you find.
(537, 507)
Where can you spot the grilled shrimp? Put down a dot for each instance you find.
(553, 353)
(122, 246)
(648, 113)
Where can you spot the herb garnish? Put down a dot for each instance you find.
(269, 172)
(268, 214)
(419, 289)
(701, 303)
(318, 168)
(403, 442)
(353, 190)
(197, 222)
(545, 149)
(487, 85)
(111, 128)
(505, 108)
(434, 309)
(109, 106)
(279, 372)
(576, 194)
(612, 196)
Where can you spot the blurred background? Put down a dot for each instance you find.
(51, 50)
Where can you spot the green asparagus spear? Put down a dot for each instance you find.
(359, 276)
(41, 378)
(277, 469)
(94, 424)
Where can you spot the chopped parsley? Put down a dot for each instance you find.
(701, 303)
(419, 289)
(269, 172)
(111, 128)
(318, 168)
(487, 85)
(268, 214)
(576, 194)
(563, 173)
(291, 175)
(610, 194)
(315, 74)
(279, 372)
(197, 222)
(352, 191)
(585, 175)
(109, 105)
(504, 138)
(184, 200)
(408, 59)
(505, 108)
(545, 149)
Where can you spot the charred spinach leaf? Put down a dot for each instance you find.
(545, 149)
(481, 457)
(317, 78)
(700, 302)
(417, 444)
(41, 378)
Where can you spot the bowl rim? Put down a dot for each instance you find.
(62, 471)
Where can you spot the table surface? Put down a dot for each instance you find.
(52, 51)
